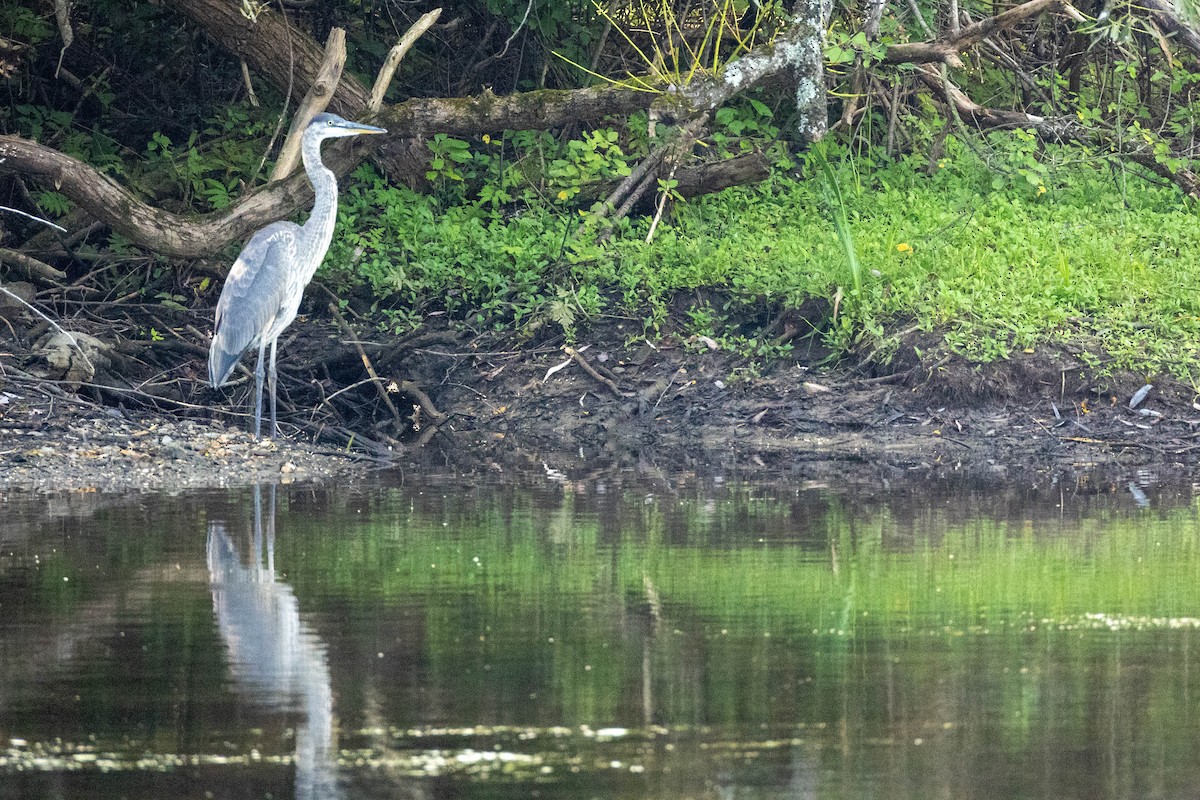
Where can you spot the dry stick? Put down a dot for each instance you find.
(893, 113)
(411, 389)
(632, 181)
(851, 109)
(70, 337)
(600, 44)
(648, 180)
(946, 50)
(118, 390)
(47, 388)
(384, 79)
(250, 95)
(59, 228)
(916, 12)
(317, 99)
(639, 180)
(379, 384)
(590, 370)
(425, 437)
(687, 135)
(325, 402)
(662, 204)
(34, 269)
(62, 13)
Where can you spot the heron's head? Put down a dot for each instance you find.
(331, 126)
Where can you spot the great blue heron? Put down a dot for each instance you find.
(262, 293)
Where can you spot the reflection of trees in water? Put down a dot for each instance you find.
(275, 659)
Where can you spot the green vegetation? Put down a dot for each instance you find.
(1085, 255)
(988, 238)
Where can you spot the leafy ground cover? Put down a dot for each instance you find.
(987, 254)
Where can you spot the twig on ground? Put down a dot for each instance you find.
(33, 269)
(1112, 443)
(380, 386)
(590, 370)
(410, 389)
(54, 325)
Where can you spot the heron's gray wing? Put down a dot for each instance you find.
(253, 294)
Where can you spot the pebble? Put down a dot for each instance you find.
(173, 451)
(100, 453)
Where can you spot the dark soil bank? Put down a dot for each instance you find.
(144, 419)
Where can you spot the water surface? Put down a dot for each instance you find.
(612, 637)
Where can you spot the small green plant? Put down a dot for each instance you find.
(843, 47)
(597, 155)
(449, 154)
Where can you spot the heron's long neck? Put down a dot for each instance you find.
(318, 230)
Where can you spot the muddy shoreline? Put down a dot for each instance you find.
(674, 405)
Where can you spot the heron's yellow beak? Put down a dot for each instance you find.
(360, 127)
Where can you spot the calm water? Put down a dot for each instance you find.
(616, 637)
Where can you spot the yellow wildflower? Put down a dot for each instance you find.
(904, 247)
(562, 194)
(487, 139)
(1041, 190)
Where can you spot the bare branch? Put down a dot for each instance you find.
(1172, 25)
(315, 101)
(946, 50)
(384, 79)
(1056, 130)
(62, 14)
(32, 268)
(190, 236)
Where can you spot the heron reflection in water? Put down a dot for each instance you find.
(275, 659)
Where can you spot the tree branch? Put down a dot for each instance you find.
(192, 236)
(946, 50)
(1165, 17)
(395, 56)
(1056, 130)
(263, 43)
(272, 48)
(37, 271)
(315, 101)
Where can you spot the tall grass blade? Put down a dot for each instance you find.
(837, 209)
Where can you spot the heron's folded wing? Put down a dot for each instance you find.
(253, 294)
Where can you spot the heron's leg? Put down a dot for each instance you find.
(271, 536)
(258, 389)
(274, 378)
(258, 531)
